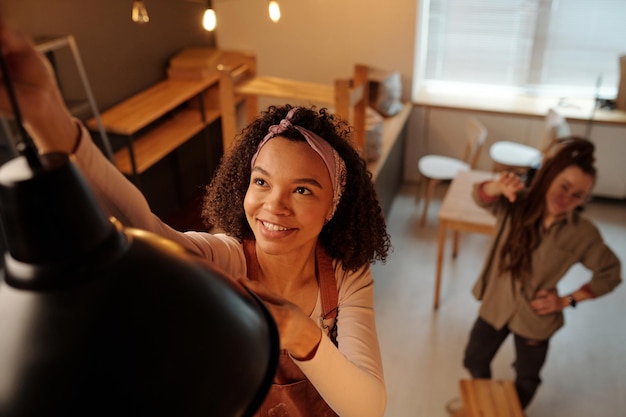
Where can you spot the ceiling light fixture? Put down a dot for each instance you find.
(140, 12)
(209, 20)
(274, 11)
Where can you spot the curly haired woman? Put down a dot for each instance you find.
(300, 226)
(541, 234)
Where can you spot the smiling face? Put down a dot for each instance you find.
(568, 190)
(288, 198)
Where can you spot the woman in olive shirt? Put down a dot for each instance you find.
(541, 234)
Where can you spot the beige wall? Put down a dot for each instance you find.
(321, 40)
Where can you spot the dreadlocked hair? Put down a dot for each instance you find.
(356, 235)
(527, 213)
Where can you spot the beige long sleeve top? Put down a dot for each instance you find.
(571, 240)
(348, 377)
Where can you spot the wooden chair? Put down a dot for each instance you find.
(437, 168)
(349, 97)
(489, 398)
(517, 157)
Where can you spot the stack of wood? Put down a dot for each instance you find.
(197, 63)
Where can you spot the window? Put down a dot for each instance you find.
(538, 47)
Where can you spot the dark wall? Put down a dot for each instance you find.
(120, 56)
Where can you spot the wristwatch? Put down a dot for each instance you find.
(571, 300)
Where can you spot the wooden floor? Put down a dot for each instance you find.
(585, 373)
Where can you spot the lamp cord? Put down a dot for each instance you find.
(25, 145)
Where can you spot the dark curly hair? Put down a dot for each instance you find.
(527, 213)
(356, 235)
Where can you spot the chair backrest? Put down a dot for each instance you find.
(556, 127)
(476, 134)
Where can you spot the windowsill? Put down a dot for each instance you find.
(571, 108)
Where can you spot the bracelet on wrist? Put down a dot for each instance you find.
(571, 301)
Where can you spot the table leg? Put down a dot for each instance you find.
(455, 245)
(440, 248)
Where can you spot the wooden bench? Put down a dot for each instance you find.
(489, 398)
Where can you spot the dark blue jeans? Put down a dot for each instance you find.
(530, 355)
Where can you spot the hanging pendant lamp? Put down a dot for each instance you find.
(101, 320)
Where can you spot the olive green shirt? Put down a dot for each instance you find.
(573, 239)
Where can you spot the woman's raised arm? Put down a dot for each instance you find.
(43, 110)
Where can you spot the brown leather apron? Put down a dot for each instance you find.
(291, 393)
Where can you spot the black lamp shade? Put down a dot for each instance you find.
(98, 320)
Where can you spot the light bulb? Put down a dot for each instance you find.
(140, 13)
(209, 21)
(274, 11)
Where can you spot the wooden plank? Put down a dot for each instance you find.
(490, 398)
(342, 99)
(138, 111)
(159, 142)
(228, 108)
(284, 88)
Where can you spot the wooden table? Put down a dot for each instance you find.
(460, 213)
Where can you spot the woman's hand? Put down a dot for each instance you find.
(546, 302)
(44, 113)
(299, 335)
(509, 184)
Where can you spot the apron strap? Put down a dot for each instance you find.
(325, 275)
(249, 250)
(327, 282)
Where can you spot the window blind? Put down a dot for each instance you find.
(562, 47)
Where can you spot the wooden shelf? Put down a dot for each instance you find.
(138, 111)
(159, 142)
(285, 88)
(173, 106)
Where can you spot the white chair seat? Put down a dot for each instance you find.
(514, 154)
(435, 169)
(439, 167)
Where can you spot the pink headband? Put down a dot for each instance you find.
(335, 165)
